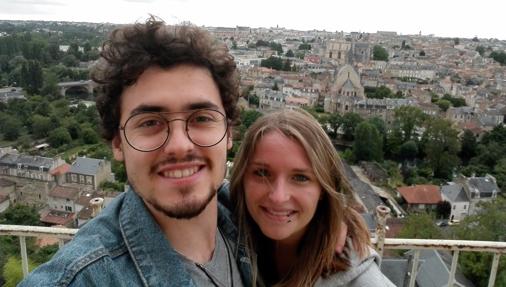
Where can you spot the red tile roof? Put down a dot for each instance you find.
(55, 217)
(421, 194)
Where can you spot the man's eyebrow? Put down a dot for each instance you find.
(202, 105)
(189, 107)
(145, 109)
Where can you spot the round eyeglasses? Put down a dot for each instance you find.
(149, 131)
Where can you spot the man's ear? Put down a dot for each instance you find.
(229, 138)
(117, 148)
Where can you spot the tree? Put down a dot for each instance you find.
(407, 119)
(59, 137)
(489, 224)
(422, 53)
(499, 57)
(481, 50)
(20, 215)
(88, 135)
(290, 54)
(441, 146)
(408, 150)
(349, 123)
(41, 126)
(273, 63)
(304, 46)
(368, 144)
(469, 146)
(379, 53)
(444, 105)
(12, 272)
(335, 120)
(443, 209)
(249, 117)
(421, 226)
(31, 76)
(10, 127)
(500, 174)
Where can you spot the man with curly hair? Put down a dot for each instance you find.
(167, 100)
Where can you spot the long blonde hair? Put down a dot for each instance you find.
(316, 252)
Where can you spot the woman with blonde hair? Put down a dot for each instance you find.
(291, 202)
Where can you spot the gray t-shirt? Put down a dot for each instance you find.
(219, 270)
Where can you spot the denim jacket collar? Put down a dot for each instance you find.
(152, 253)
(149, 248)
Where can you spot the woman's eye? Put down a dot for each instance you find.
(260, 172)
(300, 178)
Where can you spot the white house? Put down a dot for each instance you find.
(456, 195)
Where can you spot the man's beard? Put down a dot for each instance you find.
(184, 210)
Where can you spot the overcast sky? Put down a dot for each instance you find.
(448, 18)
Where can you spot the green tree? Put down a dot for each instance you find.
(10, 127)
(41, 126)
(441, 146)
(31, 76)
(349, 122)
(20, 215)
(368, 144)
(469, 146)
(12, 272)
(88, 135)
(304, 46)
(249, 117)
(408, 150)
(59, 137)
(481, 50)
(499, 57)
(273, 63)
(443, 209)
(407, 119)
(500, 173)
(290, 54)
(444, 105)
(335, 121)
(489, 224)
(379, 53)
(420, 226)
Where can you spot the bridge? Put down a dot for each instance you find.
(89, 85)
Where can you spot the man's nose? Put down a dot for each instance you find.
(279, 192)
(177, 141)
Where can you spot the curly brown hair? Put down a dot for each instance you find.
(131, 49)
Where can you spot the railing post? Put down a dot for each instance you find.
(493, 269)
(382, 213)
(24, 257)
(414, 268)
(455, 260)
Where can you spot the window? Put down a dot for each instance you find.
(81, 178)
(73, 177)
(454, 207)
(68, 208)
(465, 206)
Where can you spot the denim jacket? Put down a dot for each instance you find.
(124, 246)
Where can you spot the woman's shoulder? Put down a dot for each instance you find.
(364, 272)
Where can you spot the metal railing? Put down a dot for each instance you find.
(381, 243)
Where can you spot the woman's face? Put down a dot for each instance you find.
(282, 192)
